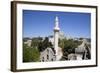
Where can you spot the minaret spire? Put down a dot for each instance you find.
(56, 23)
(56, 36)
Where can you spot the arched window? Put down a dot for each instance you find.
(52, 59)
(47, 57)
(42, 59)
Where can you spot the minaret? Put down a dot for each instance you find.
(56, 36)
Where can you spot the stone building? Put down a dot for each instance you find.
(47, 55)
(82, 52)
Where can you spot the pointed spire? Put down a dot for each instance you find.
(56, 23)
(56, 18)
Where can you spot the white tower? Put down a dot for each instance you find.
(56, 36)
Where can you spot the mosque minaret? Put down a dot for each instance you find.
(56, 36)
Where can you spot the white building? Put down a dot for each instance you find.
(50, 54)
(28, 42)
(56, 38)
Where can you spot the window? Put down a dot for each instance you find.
(42, 59)
(52, 59)
(47, 56)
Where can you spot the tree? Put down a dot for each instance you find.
(81, 38)
(61, 43)
(25, 39)
(26, 53)
(35, 55)
(36, 41)
(30, 54)
(68, 46)
(43, 45)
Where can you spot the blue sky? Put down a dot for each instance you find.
(41, 23)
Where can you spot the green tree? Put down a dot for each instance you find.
(44, 44)
(30, 54)
(61, 43)
(68, 46)
(26, 53)
(36, 41)
(35, 54)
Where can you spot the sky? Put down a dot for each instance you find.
(41, 23)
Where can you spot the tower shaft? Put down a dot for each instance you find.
(56, 36)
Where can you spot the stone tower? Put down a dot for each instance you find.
(56, 36)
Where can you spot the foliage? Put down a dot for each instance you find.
(68, 46)
(44, 44)
(61, 43)
(30, 54)
(36, 41)
(25, 39)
